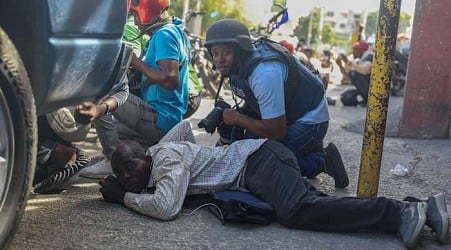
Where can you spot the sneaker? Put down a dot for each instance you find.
(335, 167)
(55, 182)
(413, 218)
(98, 170)
(437, 218)
(331, 101)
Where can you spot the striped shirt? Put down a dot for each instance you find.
(181, 167)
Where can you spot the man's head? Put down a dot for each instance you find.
(131, 166)
(225, 40)
(147, 12)
(359, 48)
(308, 52)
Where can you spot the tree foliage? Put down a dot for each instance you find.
(214, 10)
(301, 30)
(371, 24)
(372, 19)
(404, 22)
(328, 35)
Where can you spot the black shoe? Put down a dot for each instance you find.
(331, 101)
(413, 218)
(335, 167)
(437, 218)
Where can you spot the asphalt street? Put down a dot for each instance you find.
(79, 219)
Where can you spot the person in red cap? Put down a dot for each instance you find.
(358, 70)
(288, 45)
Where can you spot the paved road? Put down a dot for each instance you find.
(78, 218)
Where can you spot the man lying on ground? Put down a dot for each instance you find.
(176, 167)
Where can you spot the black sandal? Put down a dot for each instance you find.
(55, 182)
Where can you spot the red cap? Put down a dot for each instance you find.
(287, 45)
(360, 45)
(147, 11)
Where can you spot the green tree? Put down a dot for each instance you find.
(301, 30)
(371, 24)
(372, 19)
(404, 22)
(223, 9)
(214, 10)
(328, 35)
(176, 8)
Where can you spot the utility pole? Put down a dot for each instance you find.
(320, 28)
(310, 23)
(197, 24)
(376, 114)
(185, 8)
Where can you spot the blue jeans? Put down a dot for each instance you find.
(306, 142)
(134, 119)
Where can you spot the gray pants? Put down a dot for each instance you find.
(134, 119)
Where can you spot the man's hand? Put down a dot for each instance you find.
(89, 111)
(343, 57)
(229, 116)
(112, 190)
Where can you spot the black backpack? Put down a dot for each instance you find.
(234, 206)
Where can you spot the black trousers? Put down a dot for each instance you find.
(273, 174)
(361, 83)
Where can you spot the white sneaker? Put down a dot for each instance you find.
(97, 170)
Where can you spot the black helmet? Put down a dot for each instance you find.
(229, 31)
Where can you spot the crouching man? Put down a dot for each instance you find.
(176, 167)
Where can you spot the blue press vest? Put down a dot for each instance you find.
(301, 96)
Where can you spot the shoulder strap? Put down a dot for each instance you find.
(291, 83)
(234, 206)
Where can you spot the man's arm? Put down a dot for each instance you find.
(267, 128)
(90, 111)
(267, 84)
(166, 75)
(166, 54)
(342, 61)
(170, 191)
(364, 68)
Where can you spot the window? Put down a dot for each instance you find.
(332, 24)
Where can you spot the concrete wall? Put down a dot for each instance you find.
(427, 101)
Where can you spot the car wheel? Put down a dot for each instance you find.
(18, 138)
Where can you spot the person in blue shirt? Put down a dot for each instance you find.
(163, 98)
(284, 100)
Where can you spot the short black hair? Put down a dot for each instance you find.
(126, 150)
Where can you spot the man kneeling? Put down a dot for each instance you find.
(176, 167)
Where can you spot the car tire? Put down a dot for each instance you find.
(18, 138)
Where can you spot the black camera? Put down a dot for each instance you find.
(214, 118)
